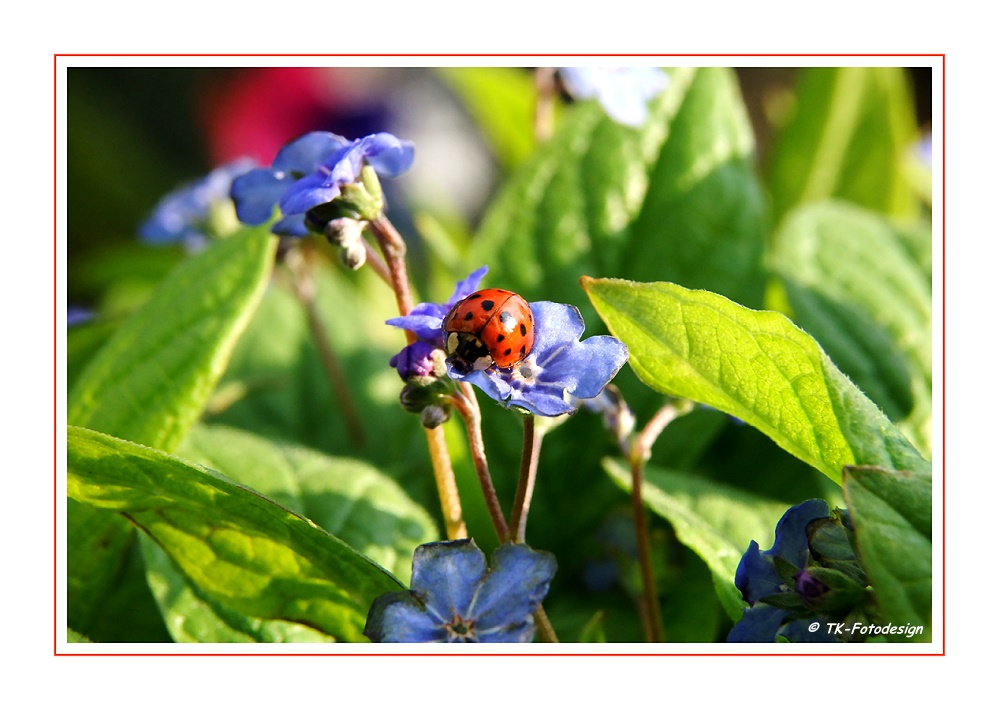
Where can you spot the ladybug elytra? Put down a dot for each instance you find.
(491, 326)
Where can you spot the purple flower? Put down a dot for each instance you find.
(310, 171)
(624, 92)
(455, 599)
(559, 370)
(184, 214)
(425, 322)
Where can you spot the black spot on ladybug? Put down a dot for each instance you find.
(500, 338)
(523, 351)
(507, 319)
(487, 305)
(474, 296)
(469, 315)
(523, 329)
(508, 351)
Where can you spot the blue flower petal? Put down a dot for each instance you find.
(446, 576)
(755, 576)
(256, 193)
(759, 624)
(466, 287)
(791, 543)
(309, 192)
(426, 327)
(303, 155)
(512, 591)
(414, 360)
(400, 617)
(388, 155)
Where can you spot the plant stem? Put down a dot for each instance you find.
(447, 489)
(394, 250)
(375, 261)
(305, 291)
(638, 453)
(525, 481)
(652, 622)
(468, 406)
(546, 634)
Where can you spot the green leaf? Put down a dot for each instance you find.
(237, 547)
(76, 637)
(754, 365)
(848, 137)
(152, 379)
(851, 282)
(676, 199)
(716, 521)
(347, 498)
(501, 100)
(149, 384)
(893, 517)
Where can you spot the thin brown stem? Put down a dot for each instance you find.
(639, 452)
(525, 480)
(546, 634)
(394, 250)
(468, 406)
(305, 291)
(377, 263)
(651, 615)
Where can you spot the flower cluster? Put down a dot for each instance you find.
(624, 92)
(315, 170)
(188, 214)
(809, 577)
(559, 371)
(454, 598)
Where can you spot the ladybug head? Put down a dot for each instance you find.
(467, 353)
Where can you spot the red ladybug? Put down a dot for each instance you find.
(491, 326)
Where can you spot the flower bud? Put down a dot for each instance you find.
(435, 415)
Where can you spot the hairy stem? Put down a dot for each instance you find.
(394, 250)
(467, 405)
(525, 480)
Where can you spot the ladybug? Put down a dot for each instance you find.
(491, 326)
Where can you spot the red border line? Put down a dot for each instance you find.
(55, 363)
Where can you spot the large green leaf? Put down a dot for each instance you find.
(714, 520)
(847, 137)
(852, 283)
(236, 547)
(676, 199)
(149, 384)
(755, 365)
(152, 379)
(892, 512)
(347, 498)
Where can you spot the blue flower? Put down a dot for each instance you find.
(757, 578)
(454, 599)
(183, 215)
(425, 322)
(559, 371)
(311, 171)
(622, 91)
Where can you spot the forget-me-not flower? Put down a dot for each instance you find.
(184, 214)
(311, 171)
(415, 360)
(624, 92)
(757, 578)
(454, 598)
(559, 371)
